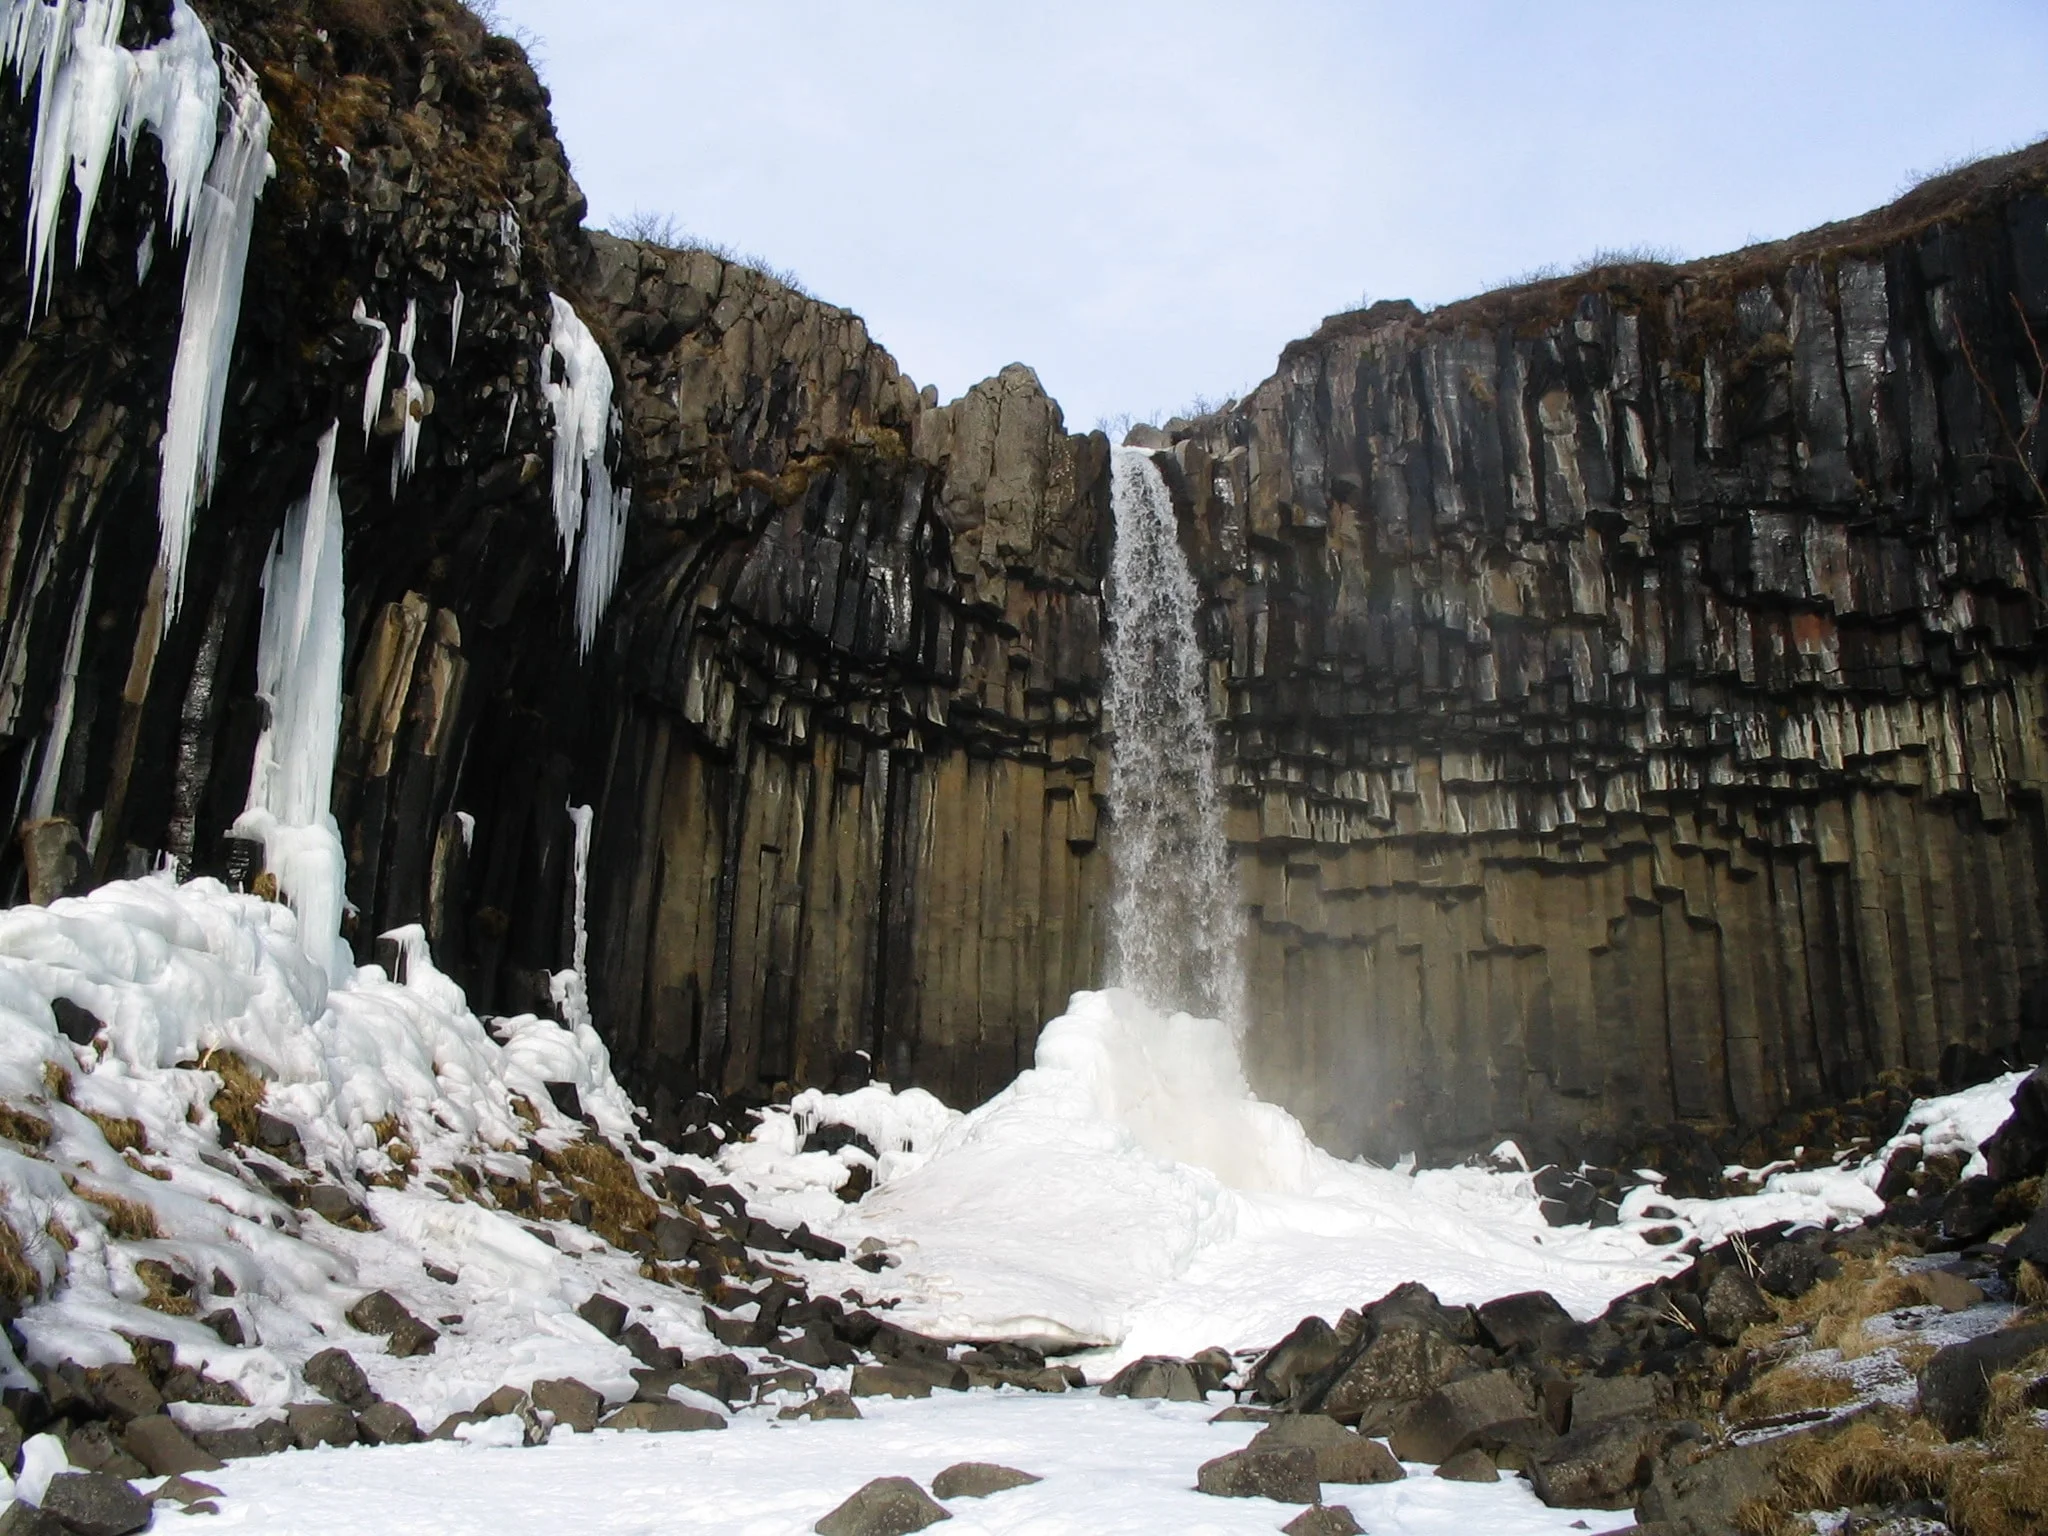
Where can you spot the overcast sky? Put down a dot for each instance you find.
(1147, 201)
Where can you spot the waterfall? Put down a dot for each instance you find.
(1175, 916)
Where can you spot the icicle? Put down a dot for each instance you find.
(511, 414)
(508, 233)
(299, 675)
(145, 255)
(467, 823)
(91, 90)
(43, 802)
(213, 305)
(415, 398)
(373, 387)
(569, 988)
(455, 326)
(583, 491)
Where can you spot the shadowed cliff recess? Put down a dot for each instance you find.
(1629, 687)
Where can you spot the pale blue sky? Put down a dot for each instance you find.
(1147, 201)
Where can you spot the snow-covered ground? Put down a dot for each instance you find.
(1128, 1193)
(1110, 1466)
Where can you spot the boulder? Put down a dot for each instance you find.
(1970, 1213)
(335, 1204)
(888, 1506)
(1324, 1520)
(570, 1402)
(94, 1504)
(1287, 1476)
(1706, 1492)
(183, 1490)
(10, 1441)
(1790, 1270)
(1512, 1443)
(1595, 1398)
(26, 1520)
(604, 1314)
(2019, 1148)
(334, 1374)
(1404, 1361)
(1156, 1376)
(1956, 1384)
(95, 1446)
(1531, 1319)
(639, 1341)
(827, 1405)
(312, 1424)
(1312, 1348)
(1733, 1304)
(382, 1313)
(1473, 1466)
(124, 1392)
(907, 1378)
(724, 1377)
(978, 1479)
(160, 1445)
(1950, 1291)
(1341, 1456)
(663, 1418)
(387, 1424)
(1598, 1467)
(1443, 1422)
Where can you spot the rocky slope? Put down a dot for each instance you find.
(1629, 682)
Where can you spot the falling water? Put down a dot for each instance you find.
(1175, 917)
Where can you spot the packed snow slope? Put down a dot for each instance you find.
(1129, 1192)
(137, 1217)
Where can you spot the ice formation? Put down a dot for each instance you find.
(380, 365)
(44, 802)
(455, 324)
(298, 674)
(585, 500)
(568, 989)
(93, 92)
(214, 269)
(414, 398)
(1175, 917)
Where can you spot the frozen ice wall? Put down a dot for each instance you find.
(1175, 918)
(586, 501)
(298, 675)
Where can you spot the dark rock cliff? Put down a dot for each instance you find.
(1630, 684)
(1633, 683)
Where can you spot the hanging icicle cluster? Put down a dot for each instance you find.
(586, 502)
(299, 652)
(92, 93)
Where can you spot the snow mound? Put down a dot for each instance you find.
(1130, 1192)
(194, 986)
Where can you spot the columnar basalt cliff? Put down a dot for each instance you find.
(1634, 684)
(1630, 685)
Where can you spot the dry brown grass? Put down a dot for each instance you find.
(58, 1081)
(240, 1095)
(21, 1126)
(1995, 1486)
(123, 1134)
(123, 1217)
(1833, 1314)
(164, 1289)
(1792, 1388)
(2031, 1284)
(599, 1171)
(19, 1280)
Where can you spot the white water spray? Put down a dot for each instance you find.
(1175, 917)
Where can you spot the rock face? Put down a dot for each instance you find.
(1629, 683)
(1632, 682)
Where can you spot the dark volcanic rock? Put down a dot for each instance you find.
(160, 1445)
(1445, 1421)
(1341, 1456)
(1156, 1376)
(571, 1402)
(387, 1424)
(1531, 1320)
(1287, 1476)
(2019, 1148)
(1308, 1351)
(1473, 1466)
(888, 1506)
(604, 1314)
(1956, 1384)
(662, 1418)
(1599, 1467)
(93, 1504)
(381, 1312)
(334, 1374)
(908, 1378)
(1324, 1520)
(978, 1479)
